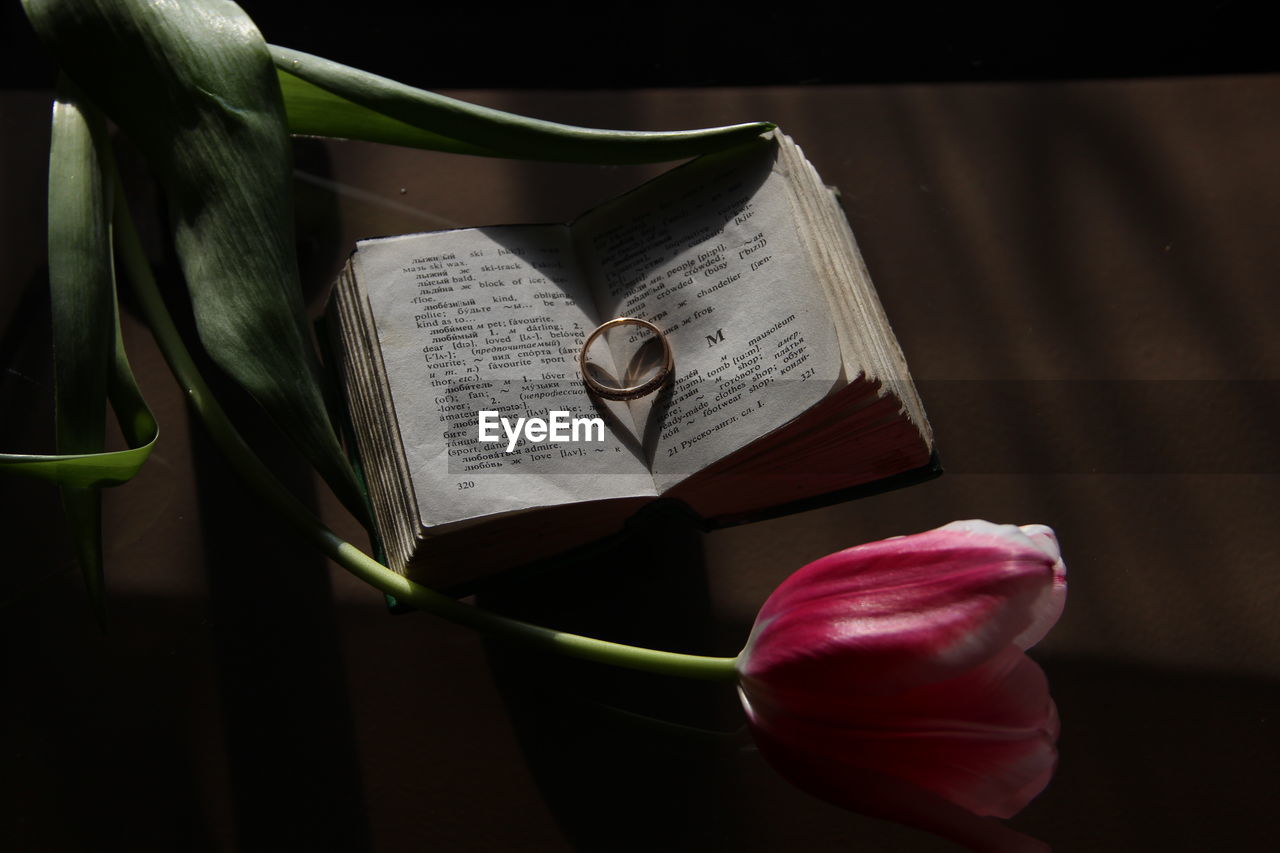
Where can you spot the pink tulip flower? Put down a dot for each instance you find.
(890, 678)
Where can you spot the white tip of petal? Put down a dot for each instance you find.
(1014, 535)
(1049, 606)
(1044, 539)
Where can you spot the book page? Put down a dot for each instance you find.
(710, 253)
(490, 320)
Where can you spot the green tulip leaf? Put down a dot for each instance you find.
(85, 318)
(194, 88)
(82, 299)
(325, 98)
(89, 360)
(313, 111)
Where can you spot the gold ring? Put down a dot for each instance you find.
(627, 392)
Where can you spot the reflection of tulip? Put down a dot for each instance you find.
(890, 678)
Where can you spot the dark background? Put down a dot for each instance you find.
(634, 44)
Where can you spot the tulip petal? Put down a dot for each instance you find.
(891, 678)
(905, 611)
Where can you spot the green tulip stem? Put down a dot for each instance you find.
(250, 468)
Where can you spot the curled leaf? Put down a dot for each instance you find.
(89, 360)
(80, 470)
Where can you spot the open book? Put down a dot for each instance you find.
(788, 382)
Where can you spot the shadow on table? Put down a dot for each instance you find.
(625, 760)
